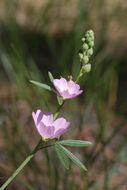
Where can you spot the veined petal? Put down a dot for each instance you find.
(73, 87)
(70, 96)
(47, 119)
(61, 126)
(60, 84)
(46, 132)
(65, 95)
(37, 116)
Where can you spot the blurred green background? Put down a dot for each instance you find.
(45, 35)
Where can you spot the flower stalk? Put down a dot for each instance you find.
(58, 110)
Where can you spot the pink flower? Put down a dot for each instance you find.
(47, 127)
(67, 89)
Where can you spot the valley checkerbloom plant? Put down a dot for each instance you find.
(67, 89)
(51, 126)
(47, 127)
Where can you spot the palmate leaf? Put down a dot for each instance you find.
(73, 158)
(44, 86)
(62, 156)
(50, 76)
(75, 143)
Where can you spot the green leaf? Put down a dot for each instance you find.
(73, 158)
(45, 86)
(62, 156)
(60, 100)
(75, 143)
(50, 76)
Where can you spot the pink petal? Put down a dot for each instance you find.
(77, 94)
(60, 84)
(72, 87)
(60, 132)
(65, 95)
(47, 119)
(63, 85)
(46, 132)
(61, 126)
(37, 116)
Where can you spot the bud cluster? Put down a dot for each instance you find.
(87, 51)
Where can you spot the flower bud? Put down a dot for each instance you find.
(85, 59)
(87, 36)
(90, 52)
(92, 37)
(83, 39)
(85, 46)
(80, 56)
(91, 43)
(86, 68)
(91, 33)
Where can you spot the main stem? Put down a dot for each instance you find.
(24, 163)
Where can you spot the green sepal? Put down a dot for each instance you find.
(50, 76)
(60, 100)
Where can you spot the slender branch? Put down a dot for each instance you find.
(79, 75)
(58, 110)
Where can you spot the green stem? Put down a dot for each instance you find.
(24, 163)
(58, 110)
(79, 75)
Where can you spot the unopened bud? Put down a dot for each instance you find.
(90, 52)
(85, 59)
(91, 43)
(83, 39)
(80, 56)
(87, 35)
(86, 68)
(85, 46)
(91, 32)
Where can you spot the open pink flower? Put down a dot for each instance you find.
(67, 89)
(47, 127)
